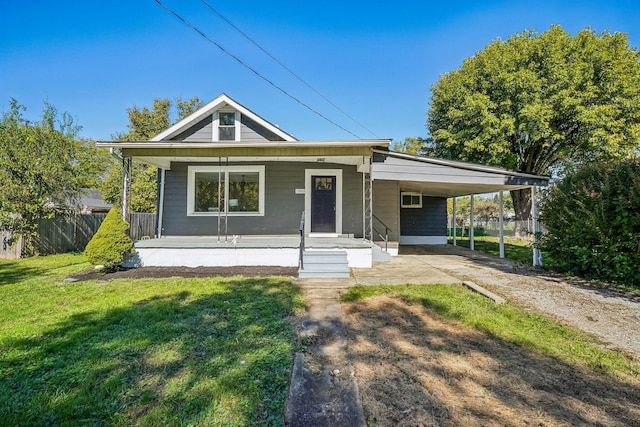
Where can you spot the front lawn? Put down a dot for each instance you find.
(514, 248)
(142, 352)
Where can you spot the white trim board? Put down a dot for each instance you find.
(308, 173)
(423, 240)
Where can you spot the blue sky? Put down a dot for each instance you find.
(375, 60)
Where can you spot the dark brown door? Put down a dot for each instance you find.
(323, 204)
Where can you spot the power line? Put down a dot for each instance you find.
(287, 68)
(203, 35)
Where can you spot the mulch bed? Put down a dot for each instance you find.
(186, 272)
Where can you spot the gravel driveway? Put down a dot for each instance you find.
(610, 315)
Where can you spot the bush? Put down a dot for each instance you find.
(593, 223)
(111, 243)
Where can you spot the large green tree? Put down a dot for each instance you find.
(540, 103)
(144, 124)
(43, 164)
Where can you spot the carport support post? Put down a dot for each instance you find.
(537, 261)
(501, 222)
(471, 246)
(455, 223)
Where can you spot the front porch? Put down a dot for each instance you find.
(253, 250)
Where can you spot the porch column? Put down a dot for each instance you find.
(126, 186)
(455, 223)
(537, 259)
(501, 222)
(471, 246)
(160, 208)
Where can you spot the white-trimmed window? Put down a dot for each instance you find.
(410, 200)
(227, 126)
(234, 190)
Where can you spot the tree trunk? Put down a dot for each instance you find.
(522, 207)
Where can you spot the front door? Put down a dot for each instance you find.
(323, 204)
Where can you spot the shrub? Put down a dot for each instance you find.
(593, 222)
(111, 243)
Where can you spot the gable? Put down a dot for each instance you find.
(224, 120)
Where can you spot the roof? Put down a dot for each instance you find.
(446, 178)
(220, 102)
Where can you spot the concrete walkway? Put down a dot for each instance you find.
(323, 389)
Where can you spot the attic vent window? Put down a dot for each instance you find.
(227, 127)
(411, 200)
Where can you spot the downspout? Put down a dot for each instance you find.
(160, 203)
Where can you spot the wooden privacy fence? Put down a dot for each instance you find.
(72, 233)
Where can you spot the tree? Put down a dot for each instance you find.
(540, 103)
(410, 145)
(144, 124)
(42, 166)
(111, 243)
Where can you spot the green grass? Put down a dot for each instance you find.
(141, 352)
(516, 249)
(512, 324)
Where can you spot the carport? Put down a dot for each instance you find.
(416, 180)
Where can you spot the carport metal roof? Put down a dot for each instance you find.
(446, 178)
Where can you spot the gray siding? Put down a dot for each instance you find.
(282, 206)
(252, 131)
(430, 220)
(199, 132)
(386, 206)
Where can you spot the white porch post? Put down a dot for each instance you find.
(160, 209)
(471, 245)
(537, 259)
(501, 222)
(455, 223)
(126, 186)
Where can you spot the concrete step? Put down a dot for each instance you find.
(378, 254)
(325, 264)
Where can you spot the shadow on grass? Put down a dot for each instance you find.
(222, 358)
(416, 368)
(15, 271)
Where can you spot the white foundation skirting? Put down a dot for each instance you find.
(226, 257)
(423, 240)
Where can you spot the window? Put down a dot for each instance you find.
(226, 126)
(234, 190)
(410, 200)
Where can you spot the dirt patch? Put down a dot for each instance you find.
(188, 272)
(415, 368)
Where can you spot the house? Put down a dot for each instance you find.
(91, 201)
(235, 189)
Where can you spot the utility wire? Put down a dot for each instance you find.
(207, 38)
(287, 68)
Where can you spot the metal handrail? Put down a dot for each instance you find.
(301, 229)
(386, 232)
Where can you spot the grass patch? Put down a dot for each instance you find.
(512, 324)
(142, 352)
(516, 249)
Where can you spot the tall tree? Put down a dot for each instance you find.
(42, 166)
(144, 124)
(540, 103)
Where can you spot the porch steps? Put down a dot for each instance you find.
(378, 254)
(325, 264)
